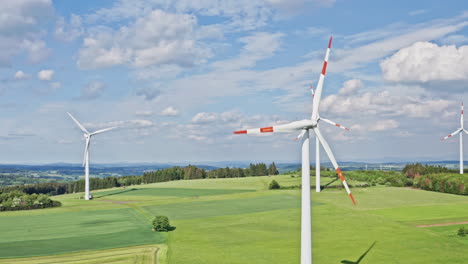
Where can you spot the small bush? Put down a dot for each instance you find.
(274, 185)
(161, 224)
(462, 231)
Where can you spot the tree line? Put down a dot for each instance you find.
(417, 169)
(189, 172)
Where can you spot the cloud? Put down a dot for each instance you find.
(18, 134)
(403, 101)
(160, 72)
(37, 50)
(257, 46)
(455, 39)
(20, 23)
(170, 111)
(92, 90)
(55, 85)
(20, 75)
(383, 125)
(388, 40)
(68, 32)
(417, 12)
(144, 113)
(158, 38)
(425, 61)
(351, 86)
(149, 93)
(240, 15)
(45, 75)
(212, 117)
(121, 124)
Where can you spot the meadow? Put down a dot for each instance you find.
(238, 220)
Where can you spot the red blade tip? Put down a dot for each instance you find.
(240, 132)
(352, 198)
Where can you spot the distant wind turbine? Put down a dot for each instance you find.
(87, 136)
(304, 126)
(459, 131)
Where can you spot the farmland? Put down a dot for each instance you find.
(238, 220)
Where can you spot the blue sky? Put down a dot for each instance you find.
(177, 77)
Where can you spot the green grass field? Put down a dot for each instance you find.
(238, 221)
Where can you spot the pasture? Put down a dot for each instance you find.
(238, 221)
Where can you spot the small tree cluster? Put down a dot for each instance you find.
(161, 224)
(462, 231)
(16, 200)
(274, 185)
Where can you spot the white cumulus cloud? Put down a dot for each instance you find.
(425, 61)
(45, 75)
(20, 75)
(158, 38)
(170, 111)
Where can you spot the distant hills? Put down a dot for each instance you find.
(124, 169)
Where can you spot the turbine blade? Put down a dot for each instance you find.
(465, 131)
(300, 135)
(330, 155)
(86, 151)
(461, 116)
(102, 130)
(453, 134)
(318, 92)
(312, 91)
(290, 127)
(334, 124)
(78, 123)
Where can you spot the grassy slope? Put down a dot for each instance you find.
(252, 227)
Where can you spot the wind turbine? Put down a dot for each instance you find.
(87, 136)
(317, 148)
(304, 126)
(459, 131)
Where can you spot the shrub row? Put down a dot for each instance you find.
(443, 182)
(389, 178)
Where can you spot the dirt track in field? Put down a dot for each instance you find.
(118, 202)
(444, 224)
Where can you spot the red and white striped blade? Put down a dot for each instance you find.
(300, 135)
(255, 130)
(453, 134)
(334, 124)
(312, 90)
(330, 155)
(461, 116)
(318, 91)
(291, 127)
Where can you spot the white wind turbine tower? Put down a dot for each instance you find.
(317, 148)
(304, 126)
(459, 131)
(87, 136)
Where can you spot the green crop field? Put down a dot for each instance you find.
(239, 221)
